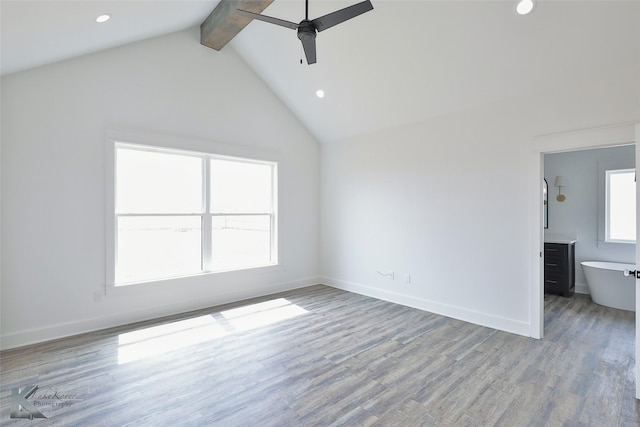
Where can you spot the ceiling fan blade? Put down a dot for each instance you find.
(309, 46)
(268, 19)
(339, 16)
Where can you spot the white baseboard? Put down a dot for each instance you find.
(478, 318)
(63, 330)
(582, 288)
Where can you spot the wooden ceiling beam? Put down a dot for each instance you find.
(223, 24)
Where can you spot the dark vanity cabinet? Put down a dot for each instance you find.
(559, 268)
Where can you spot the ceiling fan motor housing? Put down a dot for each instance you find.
(306, 30)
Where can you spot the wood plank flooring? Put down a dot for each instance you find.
(324, 357)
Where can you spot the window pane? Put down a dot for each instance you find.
(241, 241)
(158, 247)
(238, 187)
(622, 206)
(149, 182)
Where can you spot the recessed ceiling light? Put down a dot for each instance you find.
(524, 6)
(320, 93)
(103, 18)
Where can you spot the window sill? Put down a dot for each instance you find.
(602, 243)
(152, 285)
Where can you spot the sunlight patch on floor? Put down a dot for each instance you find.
(161, 339)
(262, 314)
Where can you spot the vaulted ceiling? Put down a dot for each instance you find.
(403, 62)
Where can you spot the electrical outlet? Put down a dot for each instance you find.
(388, 274)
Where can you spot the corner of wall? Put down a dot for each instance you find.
(475, 317)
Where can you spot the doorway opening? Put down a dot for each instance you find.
(565, 143)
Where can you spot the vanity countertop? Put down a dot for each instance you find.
(561, 241)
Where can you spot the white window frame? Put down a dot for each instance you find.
(205, 150)
(607, 215)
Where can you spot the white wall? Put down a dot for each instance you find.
(448, 200)
(445, 200)
(53, 178)
(579, 214)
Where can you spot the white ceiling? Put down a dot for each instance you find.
(38, 32)
(403, 62)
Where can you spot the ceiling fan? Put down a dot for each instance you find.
(307, 29)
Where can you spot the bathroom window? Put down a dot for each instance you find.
(620, 206)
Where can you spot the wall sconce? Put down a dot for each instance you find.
(560, 183)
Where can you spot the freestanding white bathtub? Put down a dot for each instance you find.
(609, 286)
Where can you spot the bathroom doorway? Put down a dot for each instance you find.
(549, 145)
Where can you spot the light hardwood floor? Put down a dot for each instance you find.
(320, 356)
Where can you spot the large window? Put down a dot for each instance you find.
(180, 213)
(620, 206)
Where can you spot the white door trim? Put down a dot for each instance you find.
(637, 264)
